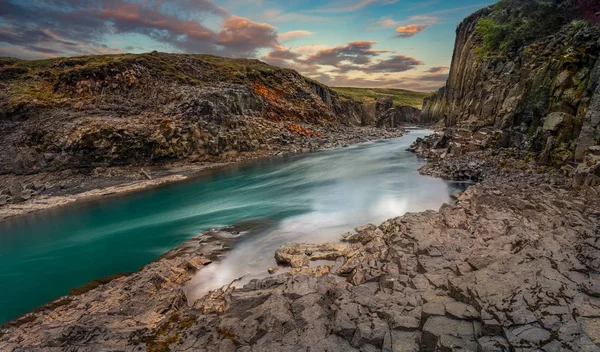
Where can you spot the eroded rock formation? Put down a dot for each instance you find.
(543, 96)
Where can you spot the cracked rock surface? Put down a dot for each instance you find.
(512, 266)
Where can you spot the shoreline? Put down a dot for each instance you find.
(191, 173)
(447, 286)
(180, 171)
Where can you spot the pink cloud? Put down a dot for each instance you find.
(410, 30)
(242, 35)
(294, 34)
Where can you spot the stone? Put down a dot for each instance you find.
(402, 341)
(196, 263)
(3, 199)
(556, 120)
(480, 261)
(493, 344)
(443, 332)
(460, 310)
(299, 255)
(403, 322)
(523, 316)
(594, 150)
(591, 327)
(432, 309)
(146, 174)
(227, 345)
(527, 336)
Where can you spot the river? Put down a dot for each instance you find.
(308, 198)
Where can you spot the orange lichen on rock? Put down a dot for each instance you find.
(271, 95)
(303, 131)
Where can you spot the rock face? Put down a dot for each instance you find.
(381, 113)
(80, 113)
(65, 121)
(544, 97)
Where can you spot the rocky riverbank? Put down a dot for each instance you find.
(23, 194)
(512, 265)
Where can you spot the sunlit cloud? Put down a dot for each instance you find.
(410, 30)
(294, 34)
(338, 42)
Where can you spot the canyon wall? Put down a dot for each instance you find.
(542, 97)
(85, 112)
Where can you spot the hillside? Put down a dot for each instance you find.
(82, 112)
(108, 110)
(72, 125)
(400, 97)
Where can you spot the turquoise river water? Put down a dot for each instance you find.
(310, 198)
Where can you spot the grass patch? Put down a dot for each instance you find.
(514, 24)
(401, 97)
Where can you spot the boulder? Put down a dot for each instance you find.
(554, 121)
(446, 334)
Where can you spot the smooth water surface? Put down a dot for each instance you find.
(311, 197)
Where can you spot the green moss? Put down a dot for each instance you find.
(167, 333)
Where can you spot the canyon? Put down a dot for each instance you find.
(512, 264)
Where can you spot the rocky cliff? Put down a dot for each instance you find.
(128, 109)
(540, 94)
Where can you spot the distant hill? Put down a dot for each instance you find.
(401, 97)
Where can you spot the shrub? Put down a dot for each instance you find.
(513, 24)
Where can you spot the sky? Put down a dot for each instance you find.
(356, 43)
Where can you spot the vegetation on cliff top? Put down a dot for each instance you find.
(400, 97)
(513, 24)
(48, 82)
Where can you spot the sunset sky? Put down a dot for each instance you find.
(361, 43)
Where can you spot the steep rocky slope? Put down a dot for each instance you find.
(68, 124)
(80, 112)
(540, 94)
(110, 110)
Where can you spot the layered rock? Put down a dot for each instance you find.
(67, 122)
(381, 113)
(542, 96)
(85, 112)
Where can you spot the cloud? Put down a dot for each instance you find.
(294, 34)
(347, 81)
(410, 30)
(50, 28)
(357, 53)
(438, 69)
(281, 57)
(277, 16)
(397, 63)
(387, 22)
(77, 26)
(352, 7)
(241, 36)
(440, 77)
